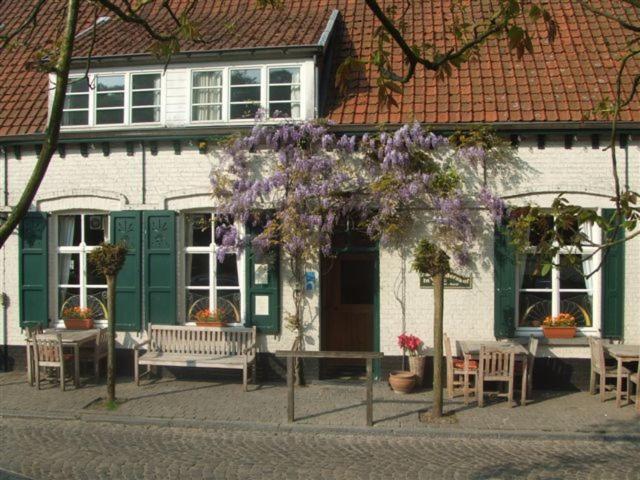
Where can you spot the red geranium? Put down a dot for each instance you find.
(410, 343)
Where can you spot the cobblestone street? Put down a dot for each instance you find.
(50, 449)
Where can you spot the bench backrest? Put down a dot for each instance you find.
(188, 339)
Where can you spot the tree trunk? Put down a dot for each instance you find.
(53, 127)
(438, 307)
(111, 332)
(298, 301)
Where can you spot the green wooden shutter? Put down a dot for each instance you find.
(613, 286)
(125, 227)
(33, 270)
(160, 266)
(263, 298)
(504, 285)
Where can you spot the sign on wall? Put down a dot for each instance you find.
(451, 280)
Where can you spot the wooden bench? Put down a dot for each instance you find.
(200, 347)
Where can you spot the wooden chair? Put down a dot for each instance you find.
(95, 354)
(495, 366)
(30, 332)
(599, 367)
(47, 350)
(532, 350)
(457, 377)
(635, 378)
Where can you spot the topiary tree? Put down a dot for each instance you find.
(108, 260)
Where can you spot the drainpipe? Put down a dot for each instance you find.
(143, 189)
(316, 106)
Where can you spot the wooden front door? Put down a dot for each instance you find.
(348, 308)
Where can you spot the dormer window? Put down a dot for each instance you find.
(109, 99)
(245, 93)
(76, 103)
(284, 92)
(206, 96)
(145, 98)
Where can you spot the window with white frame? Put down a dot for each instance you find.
(78, 284)
(210, 283)
(572, 285)
(76, 103)
(245, 86)
(145, 98)
(206, 96)
(284, 92)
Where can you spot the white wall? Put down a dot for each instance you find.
(181, 182)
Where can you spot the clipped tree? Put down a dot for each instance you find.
(108, 260)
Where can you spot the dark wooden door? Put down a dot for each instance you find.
(348, 300)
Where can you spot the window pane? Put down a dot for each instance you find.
(572, 275)
(95, 227)
(75, 118)
(201, 113)
(280, 110)
(207, 95)
(245, 94)
(245, 76)
(68, 269)
(580, 305)
(150, 98)
(67, 298)
(207, 79)
(145, 115)
(534, 307)
(110, 83)
(284, 93)
(244, 110)
(530, 277)
(196, 301)
(69, 233)
(197, 269)
(104, 117)
(78, 85)
(538, 229)
(227, 272)
(147, 80)
(110, 100)
(229, 301)
(284, 75)
(198, 230)
(221, 220)
(76, 101)
(356, 282)
(97, 302)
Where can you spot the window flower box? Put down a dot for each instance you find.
(77, 318)
(211, 318)
(561, 326)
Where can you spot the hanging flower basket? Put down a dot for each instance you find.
(77, 318)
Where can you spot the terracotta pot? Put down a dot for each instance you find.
(401, 381)
(211, 324)
(416, 366)
(559, 332)
(78, 323)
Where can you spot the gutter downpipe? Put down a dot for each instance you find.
(143, 187)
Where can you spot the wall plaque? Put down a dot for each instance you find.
(451, 280)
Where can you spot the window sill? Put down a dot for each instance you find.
(577, 341)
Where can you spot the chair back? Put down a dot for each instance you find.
(496, 363)
(31, 330)
(597, 355)
(102, 340)
(48, 349)
(448, 353)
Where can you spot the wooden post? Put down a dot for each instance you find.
(438, 305)
(369, 392)
(290, 382)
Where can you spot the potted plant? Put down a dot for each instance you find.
(77, 318)
(413, 345)
(211, 318)
(561, 326)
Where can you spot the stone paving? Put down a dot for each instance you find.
(322, 405)
(53, 449)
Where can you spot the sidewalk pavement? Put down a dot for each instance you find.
(321, 406)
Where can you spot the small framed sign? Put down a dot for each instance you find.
(451, 280)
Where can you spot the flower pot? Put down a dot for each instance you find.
(78, 323)
(559, 332)
(401, 381)
(211, 324)
(416, 366)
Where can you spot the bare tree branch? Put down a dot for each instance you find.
(30, 21)
(601, 13)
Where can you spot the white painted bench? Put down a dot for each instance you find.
(201, 347)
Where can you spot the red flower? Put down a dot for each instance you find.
(410, 343)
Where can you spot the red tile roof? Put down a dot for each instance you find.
(561, 81)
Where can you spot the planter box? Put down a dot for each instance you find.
(559, 332)
(211, 324)
(78, 323)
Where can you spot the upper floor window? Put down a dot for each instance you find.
(284, 92)
(145, 98)
(109, 99)
(76, 103)
(206, 96)
(244, 93)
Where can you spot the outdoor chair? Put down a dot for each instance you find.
(456, 376)
(495, 366)
(95, 354)
(635, 378)
(30, 332)
(48, 353)
(601, 369)
(532, 350)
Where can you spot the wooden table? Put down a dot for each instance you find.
(291, 355)
(471, 349)
(70, 338)
(623, 353)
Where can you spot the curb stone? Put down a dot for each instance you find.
(317, 429)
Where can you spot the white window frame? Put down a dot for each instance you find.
(82, 250)
(125, 99)
(212, 288)
(291, 102)
(88, 93)
(131, 92)
(261, 102)
(223, 105)
(596, 314)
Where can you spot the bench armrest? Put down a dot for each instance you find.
(250, 349)
(139, 345)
